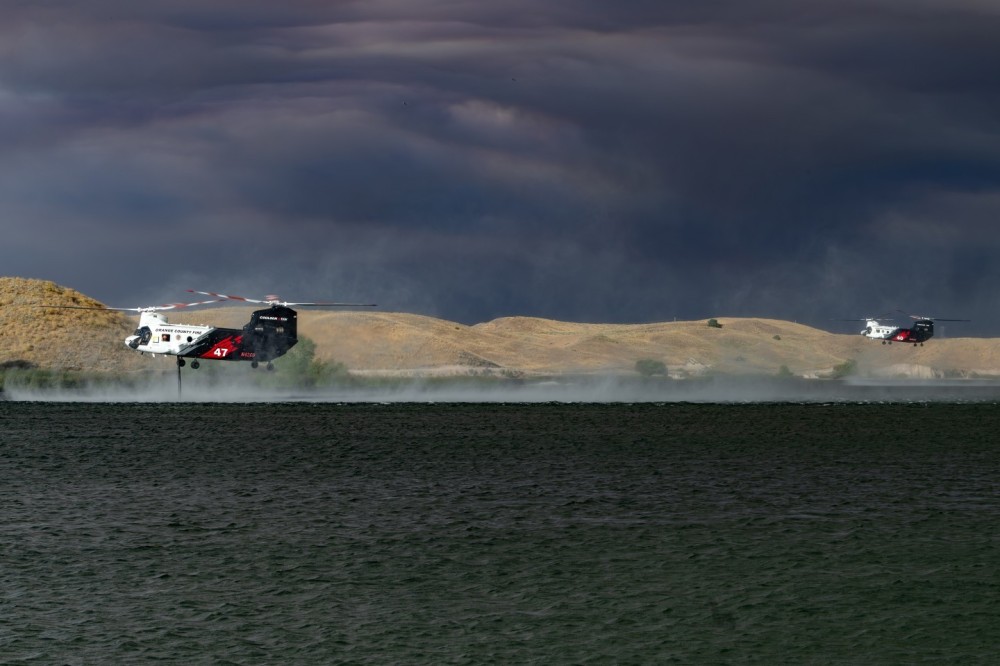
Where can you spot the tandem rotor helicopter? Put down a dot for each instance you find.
(921, 331)
(270, 333)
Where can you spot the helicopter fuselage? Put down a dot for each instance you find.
(270, 333)
(922, 330)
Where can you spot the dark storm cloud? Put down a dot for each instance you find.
(584, 160)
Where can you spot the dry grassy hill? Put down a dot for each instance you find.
(401, 344)
(61, 338)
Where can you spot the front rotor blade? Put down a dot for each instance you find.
(152, 308)
(226, 296)
(273, 300)
(174, 306)
(86, 307)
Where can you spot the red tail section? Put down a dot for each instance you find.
(227, 348)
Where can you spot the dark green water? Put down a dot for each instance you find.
(319, 533)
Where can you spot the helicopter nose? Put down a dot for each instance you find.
(132, 341)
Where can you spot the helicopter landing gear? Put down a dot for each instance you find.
(254, 364)
(181, 363)
(270, 366)
(195, 365)
(883, 342)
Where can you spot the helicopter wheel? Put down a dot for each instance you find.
(180, 363)
(270, 366)
(195, 365)
(883, 342)
(254, 364)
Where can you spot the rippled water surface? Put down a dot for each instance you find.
(547, 533)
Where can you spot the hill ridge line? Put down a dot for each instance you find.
(410, 344)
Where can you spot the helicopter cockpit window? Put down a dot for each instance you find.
(144, 335)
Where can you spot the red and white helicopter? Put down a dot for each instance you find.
(921, 331)
(270, 333)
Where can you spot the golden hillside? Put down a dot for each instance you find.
(402, 344)
(61, 338)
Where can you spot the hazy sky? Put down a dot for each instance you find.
(625, 161)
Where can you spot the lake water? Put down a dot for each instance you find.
(499, 533)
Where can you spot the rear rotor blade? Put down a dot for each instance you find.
(931, 318)
(353, 305)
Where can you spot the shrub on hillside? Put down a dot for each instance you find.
(848, 367)
(648, 367)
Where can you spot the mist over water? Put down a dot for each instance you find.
(612, 389)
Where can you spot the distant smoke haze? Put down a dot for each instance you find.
(574, 160)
